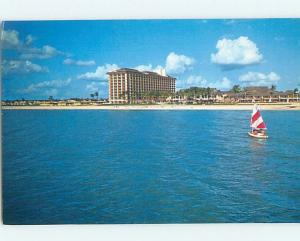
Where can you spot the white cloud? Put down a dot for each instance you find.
(142, 67)
(47, 86)
(199, 81)
(177, 64)
(195, 80)
(21, 67)
(100, 73)
(10, 39)
(149, 67)
(259, 79)
(96, 86)
(29, 39)
(45, 52)
(93, 86)
(85, 63)
(68, 61)
(236, 53)
(79, 62)
(224, 84)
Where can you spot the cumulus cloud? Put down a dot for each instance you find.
(223, 84)
(193, 81)
(199, 81)
(149, 67)
(143, 67)
(96, 86)
(46, 86)
(10, 40)
(21, 67)
(79, 62)
(236, 53)
(177, 64)
(259, 79)
(100, 73)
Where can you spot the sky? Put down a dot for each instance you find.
(66, 59)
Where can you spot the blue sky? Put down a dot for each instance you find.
(70, 58)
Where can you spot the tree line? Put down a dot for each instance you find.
(192, 92)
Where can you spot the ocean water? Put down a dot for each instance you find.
(92, 166)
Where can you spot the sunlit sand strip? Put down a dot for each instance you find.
(294, 106)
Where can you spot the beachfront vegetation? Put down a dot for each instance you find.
(196, 92)
(192, 95)
(236, 89)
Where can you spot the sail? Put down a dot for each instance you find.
(257, 121)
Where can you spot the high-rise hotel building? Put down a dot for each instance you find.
(130, 85)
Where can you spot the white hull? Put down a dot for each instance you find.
(257, 136)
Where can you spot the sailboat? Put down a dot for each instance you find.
(257, 124)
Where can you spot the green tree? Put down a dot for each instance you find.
(236, 89)
(273, 87)
(133, 97)
(296, 92)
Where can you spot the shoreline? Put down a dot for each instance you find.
(284, 106)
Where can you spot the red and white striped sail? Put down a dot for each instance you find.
(257, 121)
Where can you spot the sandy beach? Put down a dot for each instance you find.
(283, 106)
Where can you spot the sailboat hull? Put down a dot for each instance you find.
(257, 136)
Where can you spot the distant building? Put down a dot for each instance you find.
(130, 85)
(260, 94)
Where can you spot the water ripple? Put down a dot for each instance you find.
(149, 167)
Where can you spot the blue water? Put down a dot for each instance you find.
(91, 166)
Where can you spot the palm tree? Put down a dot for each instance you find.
(126, 96)
(273, 87)
(96, 94)
(236, 89)
(148, 96)
(92, 96)
(296, 92)
(133, 97)
(122, 95)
